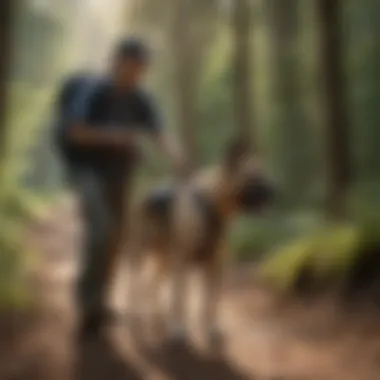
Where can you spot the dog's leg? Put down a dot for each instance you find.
(185, 230)
(177, 322)
(154, 287)
(187, 226)
(135, 259)
(213, 280)
(134, 280)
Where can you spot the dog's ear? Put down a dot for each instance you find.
(237, 150)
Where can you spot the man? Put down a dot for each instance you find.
(102, 129)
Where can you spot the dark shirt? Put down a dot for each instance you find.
(101, 106)
(67, 97)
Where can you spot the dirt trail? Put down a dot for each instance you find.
(265, 341)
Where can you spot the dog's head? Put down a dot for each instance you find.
(247, 182)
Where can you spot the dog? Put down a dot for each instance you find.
(180, 225)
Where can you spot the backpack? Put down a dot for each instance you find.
(71, 91)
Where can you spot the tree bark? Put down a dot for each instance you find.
(6, 24)
(292, 147)
(185, 79)
(185, 29)
(242, 70)
(339, 170)
(190, 35)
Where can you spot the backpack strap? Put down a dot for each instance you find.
(71, 103)
(78, 104)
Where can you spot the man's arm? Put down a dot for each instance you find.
(80, 130)
(83, 134)
(165, 142)
(170, 148)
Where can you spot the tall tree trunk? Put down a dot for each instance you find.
(373, 113)
(192, 28)
(6, 25)
(185, 29)
(291, 148)
(337, 124)
(242, 69)
(185, 78)
(368, 14)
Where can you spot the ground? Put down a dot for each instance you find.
(266, 339)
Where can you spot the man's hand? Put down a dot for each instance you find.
(125, 142)
(179, 162)
(181, 166)
(113, 138)
(119, 139)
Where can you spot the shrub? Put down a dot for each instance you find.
(344, 256)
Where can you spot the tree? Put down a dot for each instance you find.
(38, 46)
(191, 33)
(6, 32)
(289, 131)
(182, 31)
(242, 69)
(363, 47)
(337, 132)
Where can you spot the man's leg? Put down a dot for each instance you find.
(91, 287)
(118, 199)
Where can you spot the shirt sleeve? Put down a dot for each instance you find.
(66, 92)
(84, 107)
(150, 116)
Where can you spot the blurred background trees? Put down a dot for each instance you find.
(6, 34)
(337, 129)
(302, 78)
(242, 70)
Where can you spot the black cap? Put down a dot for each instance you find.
(132, 48)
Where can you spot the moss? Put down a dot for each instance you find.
(254, 237)
(344, 256)
(16, 210)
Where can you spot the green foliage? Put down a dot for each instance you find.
(18, 204)
(328, 257)
(291, 145)
(38, 45)
(14, 211)
(28, 106)
(27, 115)
(254, 237)
(12, 264)
(18, 207)
(215, 101)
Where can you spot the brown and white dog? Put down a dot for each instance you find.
(177, 226)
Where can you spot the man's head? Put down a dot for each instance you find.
(130, 62)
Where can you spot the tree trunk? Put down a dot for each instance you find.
(185, 79)
(290, 136)
(334, 95)
(192, 28)
(374, 91)
(6, 24)
(368, 79)
(184, 30)
(242, 69)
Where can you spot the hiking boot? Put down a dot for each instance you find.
(92, 324)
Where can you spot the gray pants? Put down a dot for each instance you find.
(104, 210)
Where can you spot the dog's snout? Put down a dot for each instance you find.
(258, 193)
